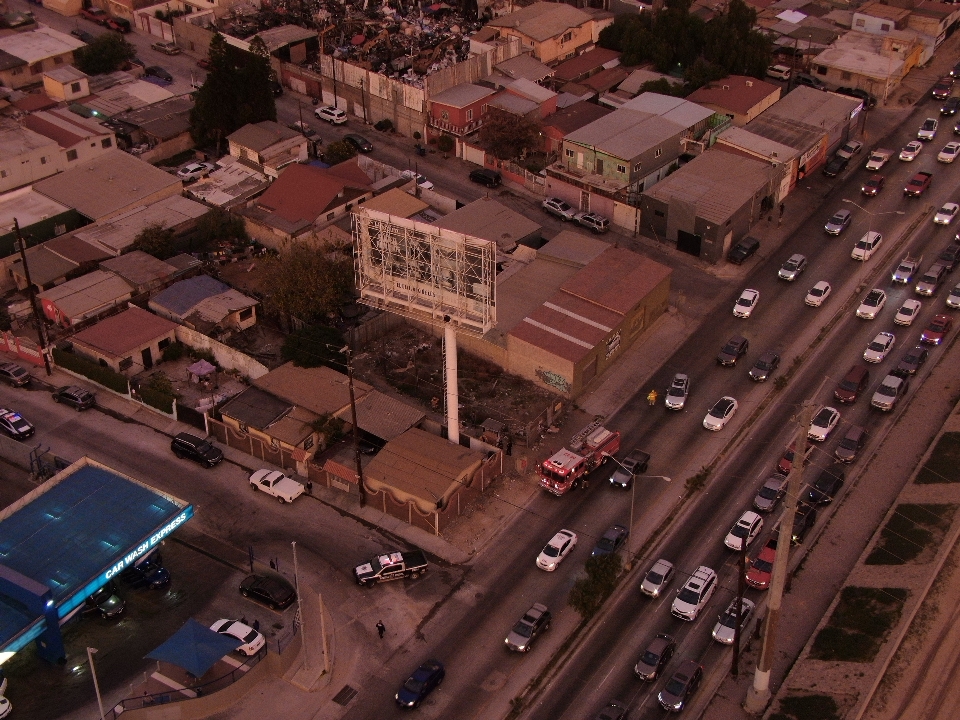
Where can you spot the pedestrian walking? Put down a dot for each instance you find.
(256, 625)
(381, 628)
(652, 398)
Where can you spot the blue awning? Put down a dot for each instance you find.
(195, 648)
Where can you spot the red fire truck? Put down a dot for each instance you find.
(587, 450)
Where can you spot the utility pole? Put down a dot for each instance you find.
(759, 694)
(356, 431)
(303, 628)
(32, 294)
(741, 576)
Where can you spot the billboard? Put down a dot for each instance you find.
(425, 272)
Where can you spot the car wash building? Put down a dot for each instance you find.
(65, 540)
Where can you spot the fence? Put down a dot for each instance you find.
(251, 445)
(361, 336)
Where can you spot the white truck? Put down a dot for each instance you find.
(878, 158)
(275, 483)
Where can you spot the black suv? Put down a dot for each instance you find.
(803, 520)
(827, 486)
(485, 176)
(743, 250)
(534, 621)
(735, 349)
(76, 396)
(197, 449)
(13, 374)
(836, 166)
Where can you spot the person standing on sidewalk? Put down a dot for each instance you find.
(381, 628)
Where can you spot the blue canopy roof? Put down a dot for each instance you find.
(195, 648)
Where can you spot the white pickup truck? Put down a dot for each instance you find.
(274, 482)
(878, 158)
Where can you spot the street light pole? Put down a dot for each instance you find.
(863, 263)
(96, 686)
(633, 496)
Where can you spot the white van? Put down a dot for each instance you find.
(780, 72)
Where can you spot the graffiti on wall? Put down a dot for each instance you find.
(553, 380)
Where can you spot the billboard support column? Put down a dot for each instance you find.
(453, 395)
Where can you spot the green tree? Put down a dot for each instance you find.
(313, 346)
(509, 136)
(107, 53)
(156, 240)
(588, 594)
(445, 143)
(307, 283)
(237, 92)
(338, 152)
(220, 224)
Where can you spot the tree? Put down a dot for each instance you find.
(445, 143)
(219, 224)
(237, 92)
(156, 240)
(107, 53)
(587, 594)
(338, 152)
(509, 136)
(307, 283)
(313, 346)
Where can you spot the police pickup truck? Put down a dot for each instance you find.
(391, 566)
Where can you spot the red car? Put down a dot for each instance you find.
(786, 462)
(96, 15)
(873, 185)
(758, 576)
(937, 330)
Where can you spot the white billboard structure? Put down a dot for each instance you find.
(428, 274)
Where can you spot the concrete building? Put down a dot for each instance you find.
(66, 84)
(79, 138)
(875, 63)
(269, 146)
(710, 203)
(459, 110)
(39, 217)
(741, 141)
(25, 156)
(55, 261)
(837, 116)
(490, 220)
(128, 343)
(739, 97)
(84, 297)
(571, 118)
(109, 185)
(549, 31)
(33, 53)
(141, 271)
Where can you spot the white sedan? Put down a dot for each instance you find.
(907, 313)
(911, 150)
(251, 639)
(745, 531)
(823, 424)
(275, 483)
(947, 213)
(746, 303)
(818, 293)
(879, 347)
(422, 182)
(720, 414)
(195, 171)
(556, 550)
(949, 152)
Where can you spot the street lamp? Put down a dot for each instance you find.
(96, 686)
(869, 230)
(633, 496)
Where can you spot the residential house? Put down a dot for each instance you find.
(549, 31)
(933, 19)
(879, 19)
(25, 156)
(84, 297)
(586, 65)
(565, 121)
(632, 85)
(55, 261)
(397, 203)
(206, 305)
(458, 110)
(268, 146)
(37, 51)
(875, 63)
(627, 151)
(66, 84)
(522, 66)
(739, 97)
(164, 127)
(129, 342)
(303, 200)
(110, 184)
(544, 99)
(119, 92)
(79, 139)
(143, 272)
(39, 219)
(232, 184)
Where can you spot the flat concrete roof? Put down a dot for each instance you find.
(490, 220)
(27, 206)
(40, 44)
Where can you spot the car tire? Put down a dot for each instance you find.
(282, 501)
(253, 487)
(245, 593)
(56, 399)
(415, 574)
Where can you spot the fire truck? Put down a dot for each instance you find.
(588, 449)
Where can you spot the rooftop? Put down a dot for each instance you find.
(626, 133)
(139, 269)
(107, 184)
(396, 202)
(88, 294)
(490, 220)
(119, 335)
(27, 206)
(461, 95)
(230, 184)
(320, 390)
(542, 20)
(524, 66)
(17, 140)
(576, 116)
(202, 294)
(256, 408)
(514, 104)
(737, 93)
(66, 128)
(861, 62)
(815, 107)
(118, 233)
(259, 136)
(383, 416)
(589, 62)
(738, 137)
(120, 92)
(530, 90)
(40, 44)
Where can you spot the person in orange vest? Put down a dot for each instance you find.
(652, 398)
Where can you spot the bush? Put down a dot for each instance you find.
(314, 346)
(417, 135)
(384, 125)
(588, 594)
(94, 371)
(445, 143)
(173, 352)
(154, 398)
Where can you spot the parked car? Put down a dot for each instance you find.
(771, 492)
(913, 360)
(105, 602)
(824, 421)
(75, 396)
(785, 463)
(94, 14)
(149, 573)
(611, 541)
(720, 414)
(558, 208)
(486, 176)
(735, 349)
(195, 171)
(655, 658)
(682, 684)
(778, 72)
(765, 366)
(304, 129)
(851, 445)
(838, 222)
(677, 393)
(818, 293)
(252, 641)
(760, 571)
(597, 224)
(872, 186)
(536, 620)
(744, 531)
(745, 304)
(827, 486)
(167, 48)
(742, 250)
(159, 73)
(835, 166)
(724, 632)
(13, 374)
(276, 484)
(872, 304)
(793, 267)
(657, 578)
(200, 450)
(14, 425)
(422, 182)
(553, 553)
(334, 116)
(120, 25)
(695, 594)
(271, 590)
(936, 331)
(82, 35)
(424, 680)
(810, 81)
(849, 149)
(359, 142)
(804, 519)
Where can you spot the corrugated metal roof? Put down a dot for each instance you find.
(45, 266)
(461, 95)
(88, 294)
(320, 390)
(490, 220)
(814, 108)
(259, 136)
(256, 408)
(513, 104)
(674, 109)
(742, 138)
(791, 133)
(40, 44)
(382, 416)
(524, 66)
(138, 268)
(626, 133)
(121, 334)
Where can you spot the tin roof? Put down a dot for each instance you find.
(119, 335)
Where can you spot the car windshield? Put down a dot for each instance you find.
(729, 619)
(606, 543)
(740, 531)
(675, 687)
(654, 577)
(887, 390)
(863, 243)
(768, 492)
(413, 685)
(551, 551)
(929, 125)
(745, 301)
(719, 410)
(204, 447)
(823, 417)
(872, 299)
(650, 658)
(878, 346)
(848, 444)
(676, 391)
(762, 566)
(791, 264)
(522, 629)
(691, 597)
(911, 359)
(848, 385)
(764, 365)
(817, 292)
